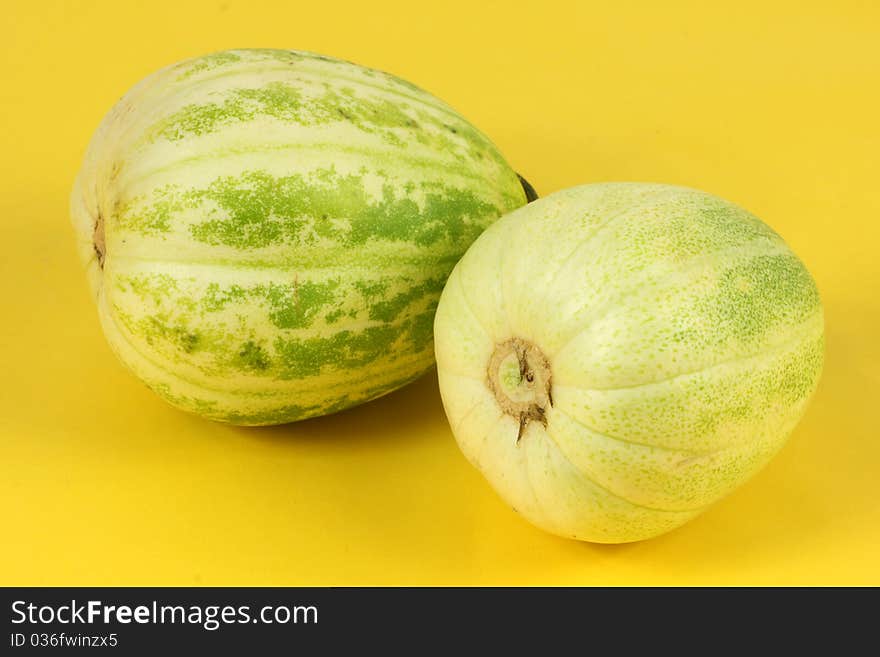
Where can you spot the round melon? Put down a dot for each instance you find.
(267, 232)
(614, 358)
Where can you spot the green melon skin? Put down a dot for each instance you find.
(664, 344)
(267, 232)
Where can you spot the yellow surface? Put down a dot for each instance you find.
(772, 105)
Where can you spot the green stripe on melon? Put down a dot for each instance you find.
(276, 228)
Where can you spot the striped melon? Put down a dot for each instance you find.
(614, 358)
(267, 232)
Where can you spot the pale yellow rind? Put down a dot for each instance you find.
(684, 338)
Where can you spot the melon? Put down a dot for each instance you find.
(614, 358)
(267, 232)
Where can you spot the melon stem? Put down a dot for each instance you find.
(519, 376)
(531, 194)
(98, 240)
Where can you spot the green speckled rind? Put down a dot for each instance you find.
(278, 228)
(684, 340)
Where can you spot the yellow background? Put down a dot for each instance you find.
(774, 105)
